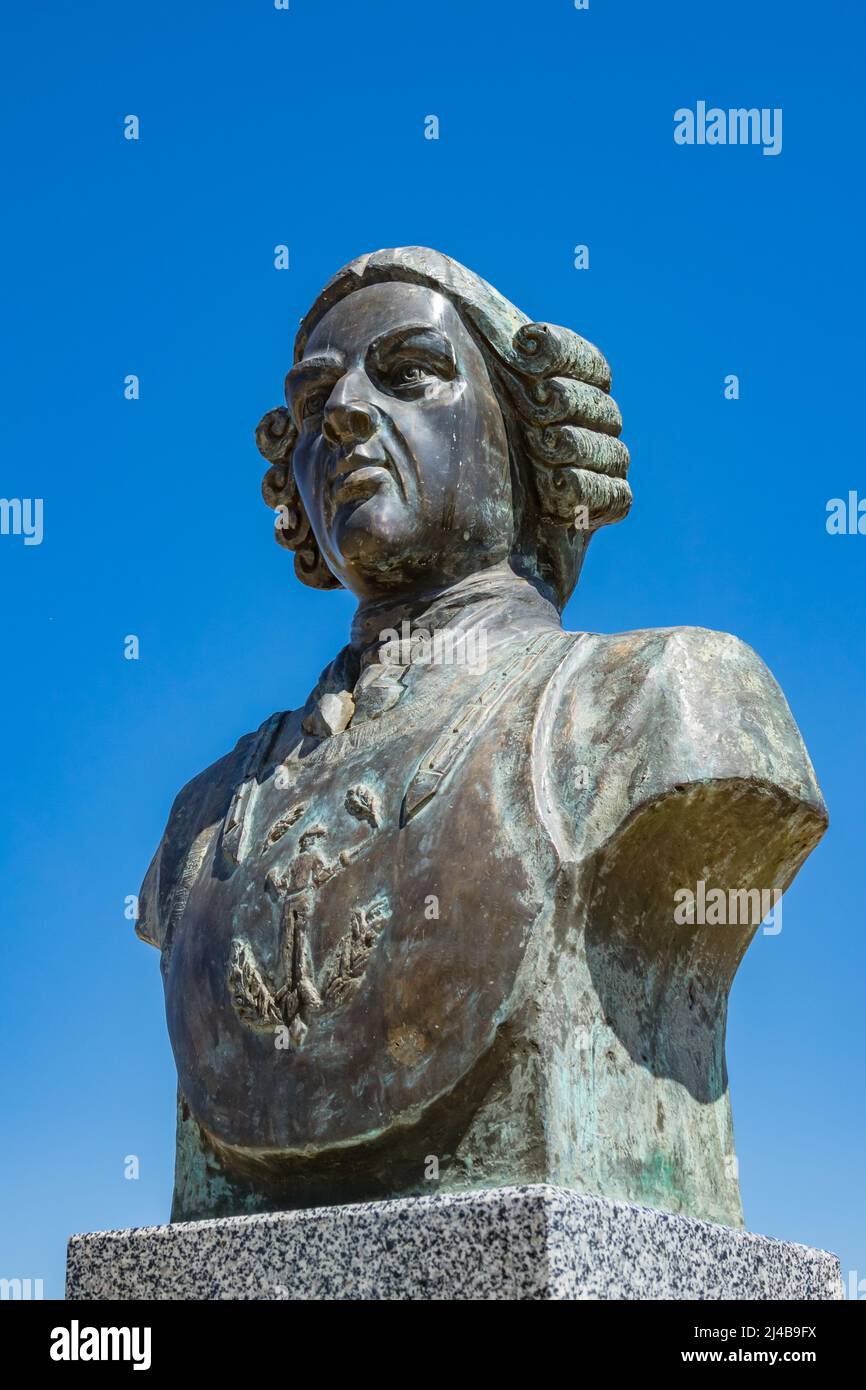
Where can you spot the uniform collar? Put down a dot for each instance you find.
(492, 598)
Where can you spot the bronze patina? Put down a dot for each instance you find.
(423, 933)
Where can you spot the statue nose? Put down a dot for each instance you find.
(349, 422)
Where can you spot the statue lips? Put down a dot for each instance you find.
(358, 476)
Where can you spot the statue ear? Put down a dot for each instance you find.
(275, 438)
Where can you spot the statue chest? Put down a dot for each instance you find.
(350, 937)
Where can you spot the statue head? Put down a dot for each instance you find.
(431, 430)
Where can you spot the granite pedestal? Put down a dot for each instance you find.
(539, 1242)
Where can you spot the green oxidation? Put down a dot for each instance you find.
(659, 1183)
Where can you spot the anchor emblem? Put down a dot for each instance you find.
(299, 992)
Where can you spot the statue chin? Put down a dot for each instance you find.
(375, 545)
(371, 545)
(378, 544)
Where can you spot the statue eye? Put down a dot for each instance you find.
(409, 374)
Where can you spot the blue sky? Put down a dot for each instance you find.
(155, 257)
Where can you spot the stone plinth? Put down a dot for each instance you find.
(539, 1242)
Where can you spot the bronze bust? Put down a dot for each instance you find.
(421, 934)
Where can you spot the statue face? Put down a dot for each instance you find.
(402, 458)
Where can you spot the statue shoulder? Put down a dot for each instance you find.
(634, 718)
(199, 807)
